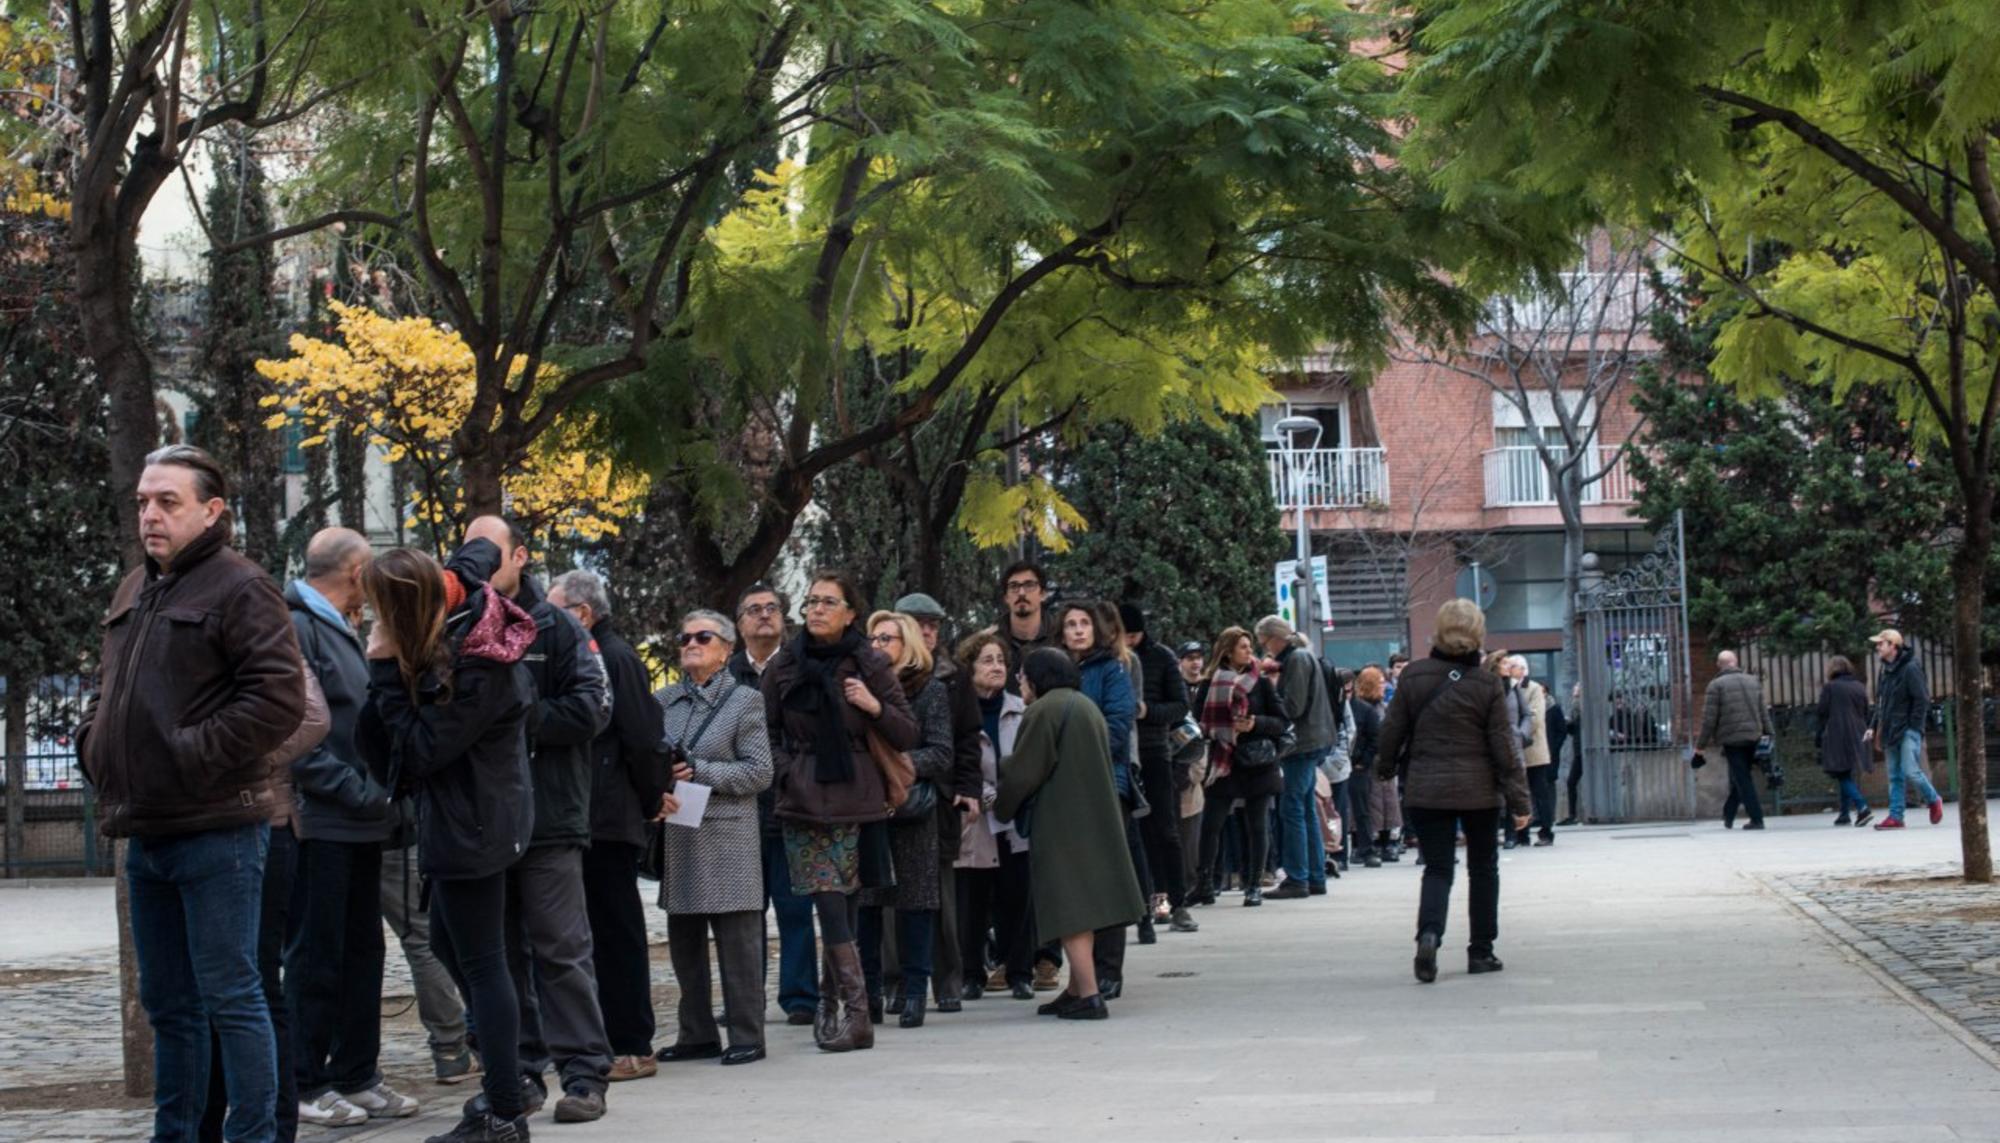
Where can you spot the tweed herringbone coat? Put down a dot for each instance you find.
(718, 867)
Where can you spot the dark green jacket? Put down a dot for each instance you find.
(1078, 864)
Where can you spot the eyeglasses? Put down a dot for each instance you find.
(1023, 586)
(702, 637)
(884, 640)
(824, 602)
(760, 609)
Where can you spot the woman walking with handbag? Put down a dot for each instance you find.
(1057, 789)
(913, 844)
(448, 704)
(1448, 734)
(825, 694)
(712, 879)
(1843, 742)
(1244, 720)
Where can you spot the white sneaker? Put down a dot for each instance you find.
(330, 1110)
(383, 1102)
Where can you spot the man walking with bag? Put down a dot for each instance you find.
(1733, 715)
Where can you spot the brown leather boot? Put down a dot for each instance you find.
(856, 1031)
(826, 1022)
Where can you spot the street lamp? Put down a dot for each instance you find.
(1304, 591)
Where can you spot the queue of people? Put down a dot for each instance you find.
(492, 770)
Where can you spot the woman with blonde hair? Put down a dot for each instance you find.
(1449, 737)
(917, 892)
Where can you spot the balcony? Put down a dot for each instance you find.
(1329, 478)
(1583, 303)
(1516, 478)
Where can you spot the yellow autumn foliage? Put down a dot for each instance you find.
(406, 385)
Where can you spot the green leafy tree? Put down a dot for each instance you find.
(1181, 523)
(1825, 170)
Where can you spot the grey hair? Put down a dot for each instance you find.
(332, 550)
(1274, 627)
(1516, 663)
(584, 587)
(723, 626)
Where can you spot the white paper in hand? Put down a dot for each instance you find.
(694, 803)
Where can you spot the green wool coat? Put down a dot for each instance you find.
(1079, 867)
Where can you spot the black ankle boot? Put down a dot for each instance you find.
(1477, 963)
(1427, 958)
(913, 1013)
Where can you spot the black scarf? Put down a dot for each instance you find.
(818, 695)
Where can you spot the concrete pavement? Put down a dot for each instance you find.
(1657, 990)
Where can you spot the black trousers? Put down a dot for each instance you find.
(469, 928)
(280, 866)
(333, 967)
(997, 902)
(1160, 830)
(1542, 795)
(1109, 950)
(1575, 778)
(1256, 818)
(739, 952)
(618, 946)
(1742, 786)
(1357, 828)
(1437, 838)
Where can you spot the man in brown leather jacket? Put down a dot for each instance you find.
(201, 683)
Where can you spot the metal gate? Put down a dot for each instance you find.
(1637, 703)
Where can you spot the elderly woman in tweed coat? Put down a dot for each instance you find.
(714, 873)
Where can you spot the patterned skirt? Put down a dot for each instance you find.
(837, 858)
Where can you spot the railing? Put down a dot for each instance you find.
(1516, 478)
(1329, 478)
(1586, 301)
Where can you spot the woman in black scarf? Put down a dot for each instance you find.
(825, 693)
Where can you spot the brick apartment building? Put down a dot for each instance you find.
(1430, 467)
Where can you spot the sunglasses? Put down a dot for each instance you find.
(702, 637)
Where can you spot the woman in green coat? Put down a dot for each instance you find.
(1080, 870)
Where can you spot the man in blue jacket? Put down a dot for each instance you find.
(334, 950)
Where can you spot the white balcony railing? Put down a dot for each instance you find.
(1584, 302)
(1516, 478)
(1329, 478)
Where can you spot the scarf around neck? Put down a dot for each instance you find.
(817, 694)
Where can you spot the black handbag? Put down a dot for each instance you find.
(1255, 754)
(919, 805)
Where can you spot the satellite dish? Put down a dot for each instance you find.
(1478, 585)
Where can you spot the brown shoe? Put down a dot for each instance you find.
(996, 981)
(1048, 977)
(632, 1067)
(826, 1021)
(856, 1031)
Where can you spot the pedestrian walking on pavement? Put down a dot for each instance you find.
(824, 695)
(1843, 737)
(202, 683)
(1448, 735)
(448, 706)
(1733, 716)
(1902, 707)
(712, 879)
(1058, 789)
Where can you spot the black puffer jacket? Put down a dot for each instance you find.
(1165, 697)
(461, 750)
(1462, 754)
(1902, 698)
(338, 800)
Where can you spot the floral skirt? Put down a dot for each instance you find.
(836, 858)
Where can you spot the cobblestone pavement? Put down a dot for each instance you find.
(1931, 932)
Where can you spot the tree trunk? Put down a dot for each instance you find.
(104, 276)
(17, 773)
(1968, 574)
(1569, 500)
(480, 472)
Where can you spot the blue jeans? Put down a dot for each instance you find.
(1906, 765)
(1850, 795)
(798, 970)
(1302, 846)
(196, 902)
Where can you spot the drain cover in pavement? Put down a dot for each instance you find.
(1177, 975)
(1640, 836)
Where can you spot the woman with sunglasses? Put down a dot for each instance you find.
(714, 872)
(824, 694)
(916, 895)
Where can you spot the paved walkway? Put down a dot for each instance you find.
(1662, 986)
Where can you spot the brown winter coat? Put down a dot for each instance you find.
(201, 682)
(799, 796)
(1462, 753)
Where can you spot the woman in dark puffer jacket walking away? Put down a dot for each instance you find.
(1447, 733)
(447, 711)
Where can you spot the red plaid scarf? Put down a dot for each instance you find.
(1228, 700)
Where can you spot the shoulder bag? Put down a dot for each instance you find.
(653, 861)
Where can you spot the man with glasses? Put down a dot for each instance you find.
(1023, 628)
(760, 630)
(626, 784)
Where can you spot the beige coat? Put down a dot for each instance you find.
(1536, 752)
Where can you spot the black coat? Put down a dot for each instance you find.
(1165, 696)
(739, 668)
(338, 799)
(631, 771)
(572, 704)
(1269, 711)
(464, 752)
(1367, 718)
(1557, 724)
(1843, 718)
(1902, 699)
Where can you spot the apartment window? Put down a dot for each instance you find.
(1530, 581)
(1332, 420)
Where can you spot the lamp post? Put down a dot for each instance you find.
(1304, 591)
